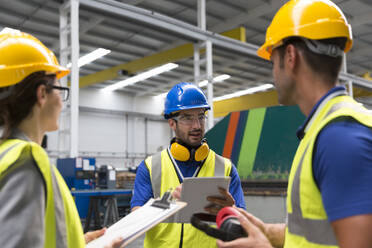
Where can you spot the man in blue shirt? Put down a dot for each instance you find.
(188, 155)
(329, 201)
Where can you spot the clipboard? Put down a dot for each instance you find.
(138, 222)
(194, 192)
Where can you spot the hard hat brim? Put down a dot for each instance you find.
(14, 75)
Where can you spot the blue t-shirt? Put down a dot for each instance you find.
(342, 166)
(143, 190)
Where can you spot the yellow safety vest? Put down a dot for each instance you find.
(308, 225)
(59, 230)
(164, 177)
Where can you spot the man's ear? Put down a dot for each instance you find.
(41, 95)
(172, 123)
(291, 56)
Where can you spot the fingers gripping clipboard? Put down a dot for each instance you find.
(138, 222)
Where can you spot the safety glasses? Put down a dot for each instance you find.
(190, 119)
(63, 91)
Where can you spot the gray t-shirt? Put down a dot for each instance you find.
(22, 203)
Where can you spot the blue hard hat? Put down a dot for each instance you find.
(184, 96)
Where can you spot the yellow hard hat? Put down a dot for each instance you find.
(311, 19)
(21, 55)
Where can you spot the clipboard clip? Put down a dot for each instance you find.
(164, 201)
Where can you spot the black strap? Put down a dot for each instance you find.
(199, 221)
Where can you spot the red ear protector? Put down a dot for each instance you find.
(228, 226)
(183, 152)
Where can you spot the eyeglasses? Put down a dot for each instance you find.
(190, 119)
(63, 91)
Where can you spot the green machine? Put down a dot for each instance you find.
(260, 142)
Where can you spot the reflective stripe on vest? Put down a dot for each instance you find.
(62, 222)
(318, 231)
(156, 174)
(61, 236)
(7, 150)
(74, 229)
(219, 170)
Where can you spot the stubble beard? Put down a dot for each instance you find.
(185, 138)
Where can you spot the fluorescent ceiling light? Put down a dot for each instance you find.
(219, 78)
(244, 92)
(141, 77)
(7, 30)
(86, 59)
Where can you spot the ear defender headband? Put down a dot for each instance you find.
(183, 153)
(228, 226)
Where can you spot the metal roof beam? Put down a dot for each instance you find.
(190, 31)
(186, 6)
(361, 20)
(174, 54)
(248, 15)
(356, 80)
(170, 24)
(217, 68)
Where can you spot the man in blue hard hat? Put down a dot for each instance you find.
(188, 155)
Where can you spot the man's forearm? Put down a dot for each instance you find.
(275, 233)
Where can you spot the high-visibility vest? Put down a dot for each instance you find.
(164, 177)
(62, 223)
(308, 225)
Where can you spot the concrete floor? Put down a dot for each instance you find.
(270, 209)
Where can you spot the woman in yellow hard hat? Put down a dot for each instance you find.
(36, 207)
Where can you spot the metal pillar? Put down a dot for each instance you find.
(202, 23)
(127, 135)
(210, 83)
(344, 69)
(207, 61)
(69, 48)
(196, 64)
(75, 46)
(63, 59)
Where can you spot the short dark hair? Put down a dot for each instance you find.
(326, 66)
(18, 105)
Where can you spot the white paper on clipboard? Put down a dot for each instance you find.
(195, 191)
(136, 223)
